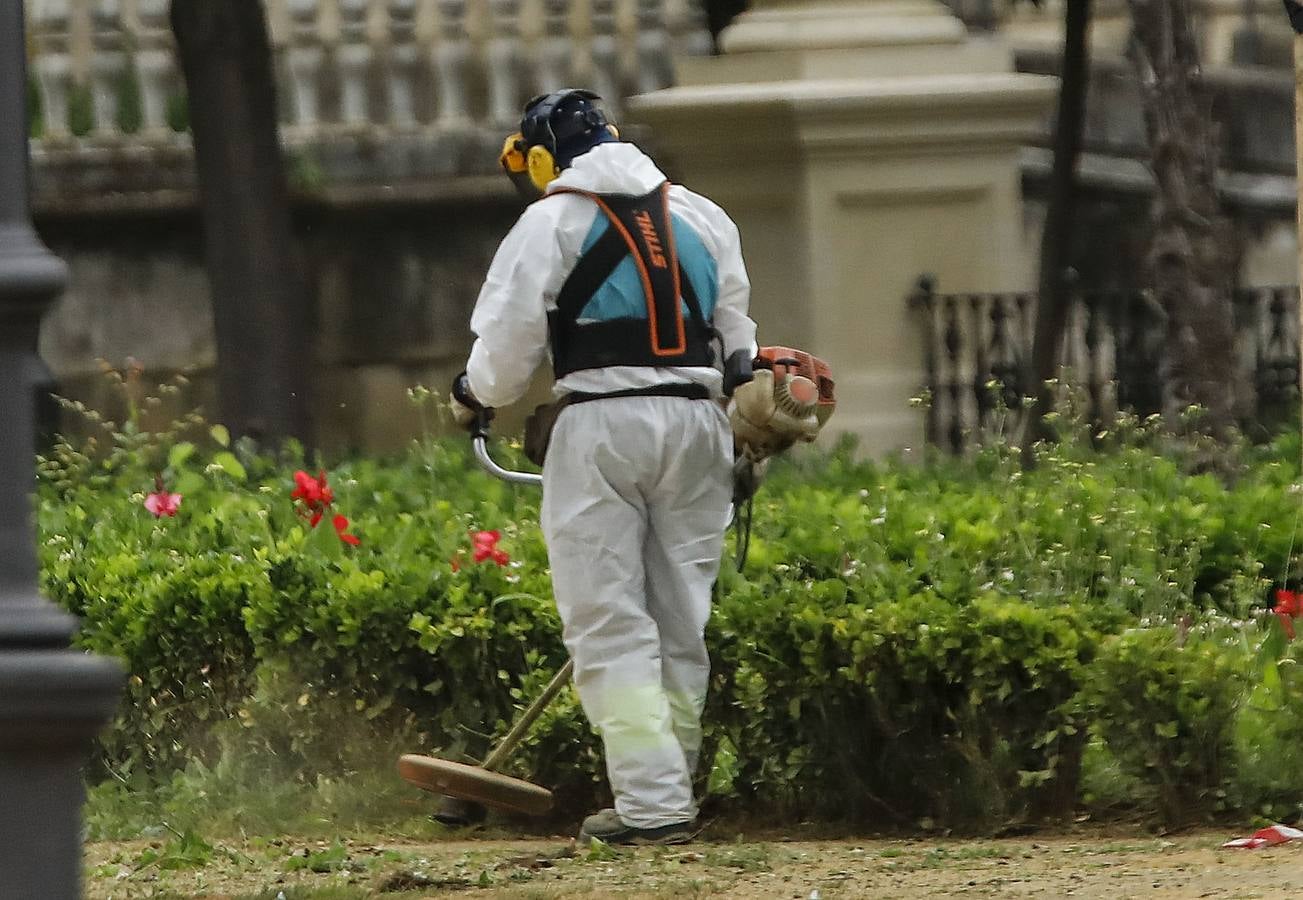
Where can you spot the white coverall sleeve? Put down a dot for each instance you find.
(732, 308)
(510, 317)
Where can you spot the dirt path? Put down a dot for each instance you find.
(1089, 866)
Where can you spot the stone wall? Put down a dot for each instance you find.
(394, 287)
(399, 225)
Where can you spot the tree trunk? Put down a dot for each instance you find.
(1295, 11)
(1190, 263)
(1054, 287)
(261, 308)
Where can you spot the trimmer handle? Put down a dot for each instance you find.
(480, 441)
(480, 425)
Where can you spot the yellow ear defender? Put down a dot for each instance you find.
(541, 166)
(511, 158)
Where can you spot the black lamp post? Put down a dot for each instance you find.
(52, 699)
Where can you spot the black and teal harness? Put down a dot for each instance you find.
(638, 228)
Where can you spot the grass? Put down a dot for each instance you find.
(259, 798)
(742, 857)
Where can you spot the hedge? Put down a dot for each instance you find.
(909, 642)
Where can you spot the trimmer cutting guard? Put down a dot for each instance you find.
(475, 784)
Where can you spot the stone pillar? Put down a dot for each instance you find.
(401, 59)
(452, 58)
(605, 48)
(556, 48)
(655, 65)
(305, 58)
(503, 61)
(858, 145)
(156, 64)
(109, 66)
(688, 32)
(53, 65)
(354, 57)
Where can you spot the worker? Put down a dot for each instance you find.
(635, 289)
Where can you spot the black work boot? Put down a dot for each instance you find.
(607, 827)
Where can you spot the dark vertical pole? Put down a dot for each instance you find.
(1295, 11)
(1060, 217)
(52, 699)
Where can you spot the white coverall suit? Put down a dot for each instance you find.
(636, 490)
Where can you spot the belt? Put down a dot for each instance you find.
(687, 391)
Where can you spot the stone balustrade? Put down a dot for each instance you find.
(1229, 33)
(104, 72)
(978, 353)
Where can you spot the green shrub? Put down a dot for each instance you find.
(1269, 737)
(907, 642)
(1167, 712)
(904, 710)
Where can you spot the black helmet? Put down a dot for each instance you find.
(565, 123)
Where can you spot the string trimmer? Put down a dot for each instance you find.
(468, 789)
(793, 402)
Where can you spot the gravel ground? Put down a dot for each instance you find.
(1085, 865)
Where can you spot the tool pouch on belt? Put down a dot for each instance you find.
(539, 424)
(538, 429)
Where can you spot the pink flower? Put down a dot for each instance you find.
(161, 503)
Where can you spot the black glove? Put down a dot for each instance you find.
(467, 412)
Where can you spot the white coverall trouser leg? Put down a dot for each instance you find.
(636, 495)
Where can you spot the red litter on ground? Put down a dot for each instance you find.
(1266, 837)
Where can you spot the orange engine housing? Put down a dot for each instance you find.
(789, 361)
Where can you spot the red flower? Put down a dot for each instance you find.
(341, 526)
(161, 503)
(1289, 603)
(314, 497)
(1289, 606)
(485, 544)
(314, 493)
(486, 547)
